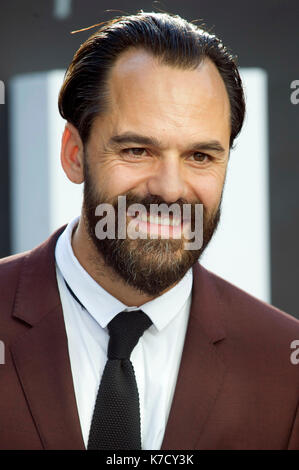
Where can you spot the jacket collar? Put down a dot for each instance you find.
(37, 292)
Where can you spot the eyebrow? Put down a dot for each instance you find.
(130, 137)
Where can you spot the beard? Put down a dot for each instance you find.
(151, 266)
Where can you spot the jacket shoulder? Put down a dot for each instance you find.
(246, 308)
(10, 269)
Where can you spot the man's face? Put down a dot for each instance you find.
(164, 139)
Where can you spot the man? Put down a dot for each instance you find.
(153, 105)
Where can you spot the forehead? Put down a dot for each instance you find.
(151, 97)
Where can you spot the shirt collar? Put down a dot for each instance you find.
(102, 305)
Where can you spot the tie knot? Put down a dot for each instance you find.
(125, 330)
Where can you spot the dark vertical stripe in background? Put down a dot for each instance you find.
(264, 33)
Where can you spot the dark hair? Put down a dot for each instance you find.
(173, 40)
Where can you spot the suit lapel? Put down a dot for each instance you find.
(41, 354)
(202, 368)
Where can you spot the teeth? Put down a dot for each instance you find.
(155, 219)
(163, 221)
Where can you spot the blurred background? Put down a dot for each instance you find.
(256, 245)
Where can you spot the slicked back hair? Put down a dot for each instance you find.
(173, 40)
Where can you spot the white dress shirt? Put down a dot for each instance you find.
(156, 357)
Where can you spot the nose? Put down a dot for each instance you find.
(168, 180)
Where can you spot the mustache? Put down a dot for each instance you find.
(150, 199)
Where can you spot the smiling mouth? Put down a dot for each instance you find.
(166, 226)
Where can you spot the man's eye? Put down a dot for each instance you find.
(200, 157)
(134, 152)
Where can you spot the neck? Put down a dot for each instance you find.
(92, 261)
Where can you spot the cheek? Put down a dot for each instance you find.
(117, 179)
(208, 190)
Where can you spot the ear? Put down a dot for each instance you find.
(72, 154)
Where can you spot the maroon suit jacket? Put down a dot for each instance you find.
(236, 388)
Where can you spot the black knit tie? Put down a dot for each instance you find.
(116, 418)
